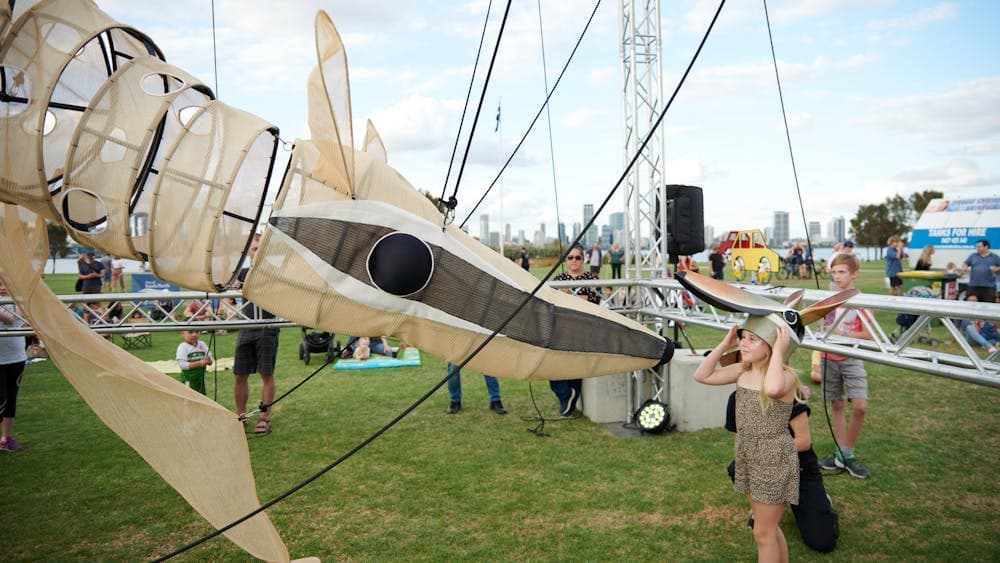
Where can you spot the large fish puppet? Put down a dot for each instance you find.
(351, 247)
(135, 157)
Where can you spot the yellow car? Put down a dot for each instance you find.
(749, 253)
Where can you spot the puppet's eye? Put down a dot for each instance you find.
(791, 317)
(400, 264)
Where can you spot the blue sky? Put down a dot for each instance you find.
(883, 97)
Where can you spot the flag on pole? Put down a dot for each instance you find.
(497, 128)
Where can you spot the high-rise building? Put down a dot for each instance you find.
(494, 240)
(837, 229)
(709, 235)
(779, 231)
(484, 228)
(606, 236)
(545, 238)
(814, 231)
(562, 233)
(576, 230)
(506, 233)
(520, 237)
(617, 221)
(588, 214)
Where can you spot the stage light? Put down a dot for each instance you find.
(653, 416)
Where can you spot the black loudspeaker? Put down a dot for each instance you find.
(685, 220)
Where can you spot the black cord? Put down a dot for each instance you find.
(457, 367)
(479, 108)
(535, 119)
(802, 210)
(465, 108)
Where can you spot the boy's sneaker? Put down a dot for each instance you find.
(831, 463)
(854, 467)
(11, 445)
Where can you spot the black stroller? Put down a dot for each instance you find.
(318, 343)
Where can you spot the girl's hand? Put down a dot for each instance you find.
(731, 340)
(781, 342)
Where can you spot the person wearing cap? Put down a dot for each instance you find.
(767, 465)
(846, 376)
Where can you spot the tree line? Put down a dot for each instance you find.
(874, 224)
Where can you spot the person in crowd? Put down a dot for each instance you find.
(846, 376)
(817, 521)
(980, 333)
(12, 361)
(894, 255)
(616, 256)
(686, 264)
(847, 247)
(926, 258)
(106, 279)
(982, 266)
(767, 467)
(256, 352)
(91, 273)
(718, 262)
(117, 274)
(362, 347)
(193, 356)
(198, 310)
(455, 391)
(594, 259)
(807, 261)
(568, 390)
(525, 259)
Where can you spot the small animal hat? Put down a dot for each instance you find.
(764, 316)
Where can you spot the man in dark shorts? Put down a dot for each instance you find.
(718, 261)
(256, 350)
(984, 266)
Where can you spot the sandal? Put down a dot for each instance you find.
(263, 428)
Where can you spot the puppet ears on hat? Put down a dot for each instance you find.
(723, 296)
(819, 309)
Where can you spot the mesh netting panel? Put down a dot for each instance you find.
(52, 38)
(329, 98)
(197, 446)
(220, 164)
(373, 144)
(114, 146)
(298, 186)
(4, 18)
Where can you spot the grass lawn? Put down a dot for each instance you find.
(477, 486)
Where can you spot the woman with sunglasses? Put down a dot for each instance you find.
(568, 390)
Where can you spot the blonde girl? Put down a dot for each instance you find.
(767, 466)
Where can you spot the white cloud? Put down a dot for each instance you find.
(967, 113)
(604, 76)
(584, 116)
(417, 123)
(977, 149)
(796, 121)
(921, 18)
(957, 173)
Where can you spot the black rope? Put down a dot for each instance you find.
(802, 210)
(465, 108)
(535, 119)
(458, 367)
(548, 118)
(264, 407)
(479, 107)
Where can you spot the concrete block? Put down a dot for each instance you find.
(694, 406)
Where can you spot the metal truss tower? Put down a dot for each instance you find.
(645, 188)
(642, 100)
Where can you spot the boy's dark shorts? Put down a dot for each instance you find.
(895, 281)
(256, 351)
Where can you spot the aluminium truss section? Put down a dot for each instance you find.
(899, 347)
(642, 100)
(163, 311)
